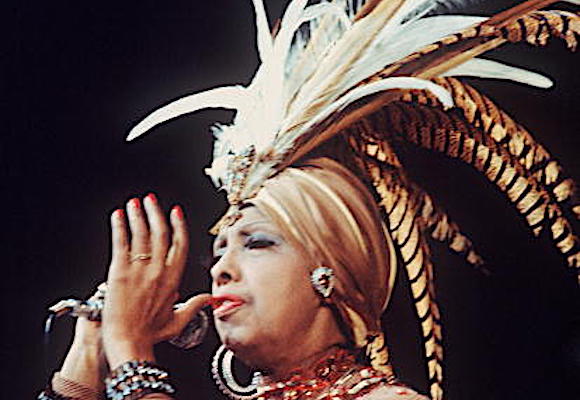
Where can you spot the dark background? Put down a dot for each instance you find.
(78, 75)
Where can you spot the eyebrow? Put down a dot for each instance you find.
(221, 237)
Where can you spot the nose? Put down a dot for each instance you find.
(225, 270)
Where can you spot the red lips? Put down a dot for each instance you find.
(225, 304)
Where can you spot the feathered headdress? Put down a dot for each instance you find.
(376, 72)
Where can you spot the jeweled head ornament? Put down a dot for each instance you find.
(373, 73)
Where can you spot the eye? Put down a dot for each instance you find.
(259, 242)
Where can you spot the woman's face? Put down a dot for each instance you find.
(265, 305)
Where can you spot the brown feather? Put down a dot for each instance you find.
(432, 220)
(401, 211)
(495, 125)
(447, 132)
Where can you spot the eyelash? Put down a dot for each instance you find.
(258, 243)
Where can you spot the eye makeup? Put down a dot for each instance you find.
(249, 237)
(259, 240)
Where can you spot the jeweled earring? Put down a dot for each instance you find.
(223, 374)
(322, 279)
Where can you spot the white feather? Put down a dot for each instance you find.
(326, 23)
(407, 39)
(228, 97)
(325, 9)
(342, 54)
(380, 86)
(414, 35)
(375, 49)
(263, 34)
(399, 43)
(271, 81)
(483, 68)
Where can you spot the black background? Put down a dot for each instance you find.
(78, 75)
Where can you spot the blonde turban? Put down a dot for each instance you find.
(323, 208)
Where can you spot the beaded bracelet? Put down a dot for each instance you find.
(135, 379)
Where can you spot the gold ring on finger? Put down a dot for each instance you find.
(141, 257)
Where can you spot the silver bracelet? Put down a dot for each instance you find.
(135, 379)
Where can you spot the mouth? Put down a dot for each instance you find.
(225, 305)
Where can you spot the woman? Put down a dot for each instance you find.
(325, 87)
(266, 309)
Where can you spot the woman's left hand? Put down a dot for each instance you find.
(144, 276)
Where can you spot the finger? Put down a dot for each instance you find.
(120, 242)
(190, 308)
(185, 313)
(159, 231)
(140, 241)
(177, 255)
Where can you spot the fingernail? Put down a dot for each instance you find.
(178, 212)
(119, 213)
(135, 203)
(152, 198)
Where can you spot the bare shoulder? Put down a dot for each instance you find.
(394, 392)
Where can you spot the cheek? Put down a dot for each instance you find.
(283, 293)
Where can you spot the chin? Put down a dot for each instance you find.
(242, 342)
(233, 337)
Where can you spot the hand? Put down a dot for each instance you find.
(144, 275)
(85, 361)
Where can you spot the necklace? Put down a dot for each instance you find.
(337, 377)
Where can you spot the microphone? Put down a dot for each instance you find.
(192, 335)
